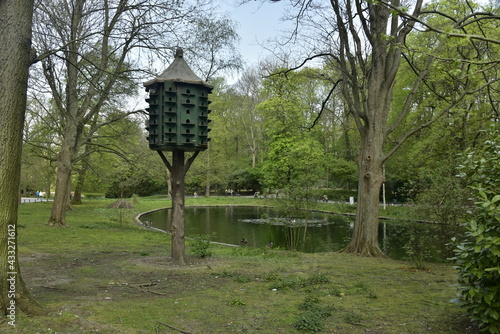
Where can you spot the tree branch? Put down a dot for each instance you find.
(323, 104)
(165, 161)
(190, 161)
(450, 106)
(458, 25)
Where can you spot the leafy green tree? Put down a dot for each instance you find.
(478, 256)
(367, 41)
(88, 53)
(343, 173)
(427, 163)
(246, 179)
(294, 164)
(237, 133)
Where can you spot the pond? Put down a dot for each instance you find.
(318, 232)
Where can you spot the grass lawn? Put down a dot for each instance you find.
(104, 274)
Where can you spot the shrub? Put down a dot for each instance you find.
(309, 322)
(311, 318)
(478, 256)
(200, 245)
(135, 199)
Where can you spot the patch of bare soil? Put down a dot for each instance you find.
(78, 280)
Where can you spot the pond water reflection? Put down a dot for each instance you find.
(318, 232)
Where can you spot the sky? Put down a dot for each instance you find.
(257, 23)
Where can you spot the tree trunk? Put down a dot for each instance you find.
(73, 127)
(77, 197)
(207, 175)
(169, 183)
(370, 160)
(65, 162)
(15, 57)
(367, 89)
(178, 170)
(178, 190)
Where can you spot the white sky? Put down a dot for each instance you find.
(256, 23)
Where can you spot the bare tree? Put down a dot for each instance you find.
(212, 47)
(90, 51)
(16, 58)
(249, 87)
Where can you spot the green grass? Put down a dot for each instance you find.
(103, 275)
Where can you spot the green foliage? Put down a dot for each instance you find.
(135, 199)
(200, 245)
(311, 318)
(236, 302)
(478, 256)
(344, 173)
(293, 161)
(293, 167)
(416, 251)
(245, 179)
(141, 185)
(309, 322)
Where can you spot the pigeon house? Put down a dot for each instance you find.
(178, 109)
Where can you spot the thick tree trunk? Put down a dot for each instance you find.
(65, 162)
(178, 170)
(365, 235)
(15, 57)
(82, 173)
(77, 197)
(370, 165)
(72, 133)
(178, 190)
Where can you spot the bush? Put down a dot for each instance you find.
(140, 186)
(478, 256)
(311, 318)
(246, 179)
(200, 245)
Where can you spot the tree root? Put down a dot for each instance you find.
(364, 251)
